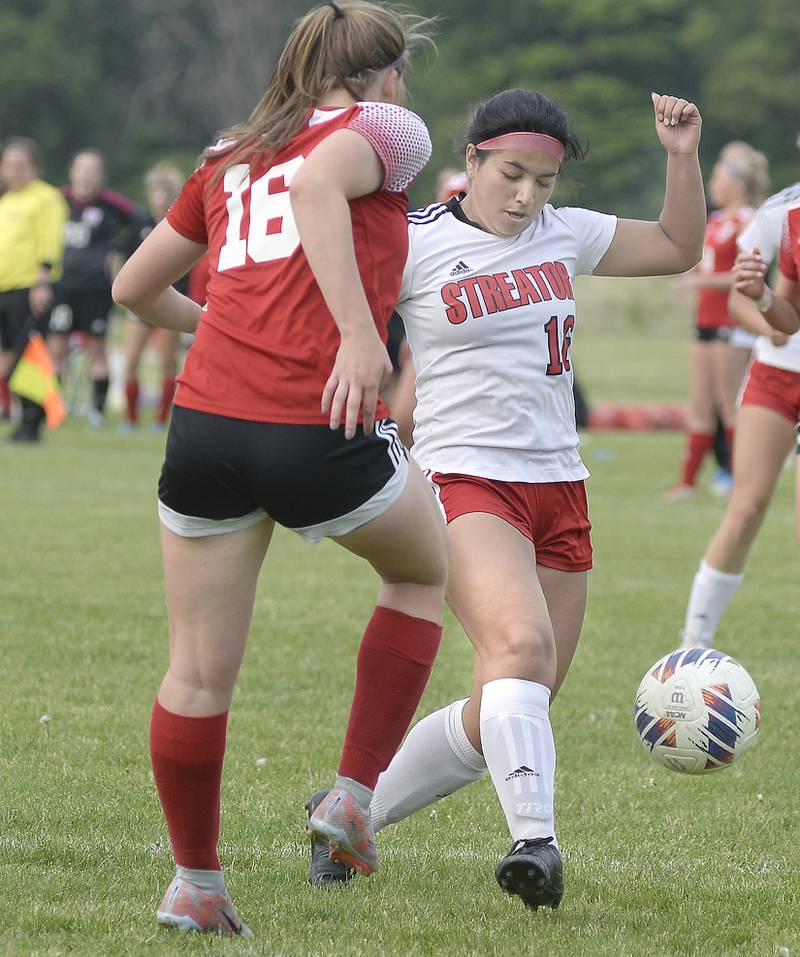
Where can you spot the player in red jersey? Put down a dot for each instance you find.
(738, 183)
(303, 211)
(162, 184)
(97, 217)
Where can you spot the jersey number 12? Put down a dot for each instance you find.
(272, 233)
(558, 351)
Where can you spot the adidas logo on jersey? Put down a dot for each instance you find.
(523, 772)
(460, 268)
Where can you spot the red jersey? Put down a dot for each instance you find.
(266, 342)
(198, 280)
(789, 259)
(719, 254)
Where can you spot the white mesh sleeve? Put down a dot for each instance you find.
(400, 139)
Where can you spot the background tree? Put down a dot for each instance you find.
(144, 80)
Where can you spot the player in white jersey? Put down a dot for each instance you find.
(487, 300)
(765, 427)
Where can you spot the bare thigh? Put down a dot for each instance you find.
(763, 439)
(407, 547)
(136, 335)
(729, 365)
(168, 344)
(702, 410)
(210, 587)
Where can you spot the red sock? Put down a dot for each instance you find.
(5, 397)
(698, 445)
(132, 401)
(167, 393)
(187, 755)
(394, 663)
(729, 433)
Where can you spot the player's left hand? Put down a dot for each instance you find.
(678, 124)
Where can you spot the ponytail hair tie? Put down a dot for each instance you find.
(337, 13)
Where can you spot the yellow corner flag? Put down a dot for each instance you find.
(34, 378)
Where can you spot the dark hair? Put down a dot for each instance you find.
(521, 111)
(26, 145)
(333, 46)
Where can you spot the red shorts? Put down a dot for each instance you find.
(774, 388)
(554, 516)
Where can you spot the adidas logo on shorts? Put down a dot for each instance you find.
(460, 268)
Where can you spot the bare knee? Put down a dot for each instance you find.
(514, 652)
(746, 514)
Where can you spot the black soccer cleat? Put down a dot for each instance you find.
(323, 869)
(533, 871)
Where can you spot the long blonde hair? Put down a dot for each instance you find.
(335, 45)
(750, 166)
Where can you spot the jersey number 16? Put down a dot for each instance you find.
(272, 233)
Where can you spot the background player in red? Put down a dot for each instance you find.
(162, 184)
(738, 183)
(97, 217)
(765, 431)
(303, 210)
(488, 304)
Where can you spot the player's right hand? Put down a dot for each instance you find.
(362, 368)
(749, 272)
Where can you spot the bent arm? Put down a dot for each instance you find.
(784, 311)
(144, 284)
(746, 313)
(343, 167)
(674, 243)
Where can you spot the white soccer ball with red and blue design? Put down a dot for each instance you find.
(697, 710)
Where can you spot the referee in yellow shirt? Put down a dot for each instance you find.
(32, 217)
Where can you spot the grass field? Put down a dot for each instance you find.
(656, 863)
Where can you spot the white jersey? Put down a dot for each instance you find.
(764, 231)
(490, 321)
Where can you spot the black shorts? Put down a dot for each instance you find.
(709, 334)
(221, 475)
(81, 312)
(15, 311)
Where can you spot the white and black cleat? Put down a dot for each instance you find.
(533, 871)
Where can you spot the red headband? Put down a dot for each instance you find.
(525, 141)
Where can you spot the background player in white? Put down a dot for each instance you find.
(303, 210)
(489, 309)
(765, 430)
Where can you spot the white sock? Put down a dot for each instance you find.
(711, 592)
(435, 759)
(212, 882)
(521, 754)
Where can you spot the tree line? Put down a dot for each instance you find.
(144, 80)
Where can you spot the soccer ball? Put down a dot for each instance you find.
(697, 710)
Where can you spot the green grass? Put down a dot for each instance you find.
(656, 863)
